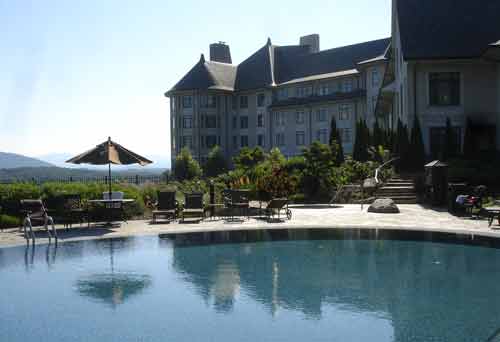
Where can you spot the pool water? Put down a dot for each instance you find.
(212, 287)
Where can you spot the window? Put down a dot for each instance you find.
(374, 103)
(235, 122)
(244, 140)
(210, 121)
(234, 101)
(321, 115)
(260, 120)
(210, 141)
(261, 100)
(344, 111)
(444, 88)
(280, 139)
(304, 91)
(322, 136)
(345, 135)
(282, 93)
(187, 101)
(375, 78)
(244, 122)
(260, 140)
(300, 138)
(324, 89)
(187, 122)
(279, 119)
(235, 142)
(211, 101)
(300, 117)
(243, 101)
(347, 86)
(187, 141)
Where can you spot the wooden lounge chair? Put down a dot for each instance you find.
(193, 206)
(275, 206)
(166, 206)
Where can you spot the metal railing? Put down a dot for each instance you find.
(379, 169)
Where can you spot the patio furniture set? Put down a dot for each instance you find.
(235, 206)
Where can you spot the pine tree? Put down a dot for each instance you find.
(336, 142)
(378, 135)
(468, 141)
(417, 149)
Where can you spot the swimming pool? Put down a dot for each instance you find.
(282, 285)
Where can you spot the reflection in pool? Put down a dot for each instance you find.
(256, 286)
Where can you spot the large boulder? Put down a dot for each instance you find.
(383, 206)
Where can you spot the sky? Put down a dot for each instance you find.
(73, 73)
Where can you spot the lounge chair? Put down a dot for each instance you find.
(36, 214)
(193, 206)
(166, 206)
(275, 206)
(237, 201)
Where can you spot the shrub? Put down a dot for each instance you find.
(216, 163)
(185, 167)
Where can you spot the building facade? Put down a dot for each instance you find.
(281, 96)
(444, 62)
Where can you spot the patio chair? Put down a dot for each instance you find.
(237, 200)
(193, 206)
(275, 206)
(166, 205)
(36, 214)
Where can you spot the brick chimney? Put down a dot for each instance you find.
(219, 52)
(312, 41)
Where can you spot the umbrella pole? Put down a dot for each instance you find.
(109, 179)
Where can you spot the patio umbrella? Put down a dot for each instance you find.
(109, 153)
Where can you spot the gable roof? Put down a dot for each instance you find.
(434, 29)
(208, 75)
(274, 65)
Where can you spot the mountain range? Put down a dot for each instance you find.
(13, 160)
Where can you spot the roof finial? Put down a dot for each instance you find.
(268, 40)
(202, 58)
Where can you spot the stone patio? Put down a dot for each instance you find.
(412, 217)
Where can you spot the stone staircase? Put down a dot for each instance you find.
(401, 190)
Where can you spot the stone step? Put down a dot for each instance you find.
(399, 199)
(398, 184)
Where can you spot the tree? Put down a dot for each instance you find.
(185, 167)
(469, 149)
(319, 163)
(248, 158)
(216, 163)
(378, 135)
(401, 147)
(336, 142)
(450, 143)
(417, 153)
(362, 142)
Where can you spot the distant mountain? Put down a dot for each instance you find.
(62, 173)
(59, 159)
(12, 160)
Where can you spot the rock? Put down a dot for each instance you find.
(383, 206)
(369, 183)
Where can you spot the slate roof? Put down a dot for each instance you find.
(208, 75)
(300, 101)
(274, 65)
(436, 29)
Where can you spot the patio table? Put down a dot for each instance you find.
(492, 212)
(110, 205)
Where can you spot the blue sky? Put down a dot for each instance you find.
(74, 72)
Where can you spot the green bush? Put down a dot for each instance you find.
(7, 221)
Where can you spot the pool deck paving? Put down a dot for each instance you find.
(412, 217)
